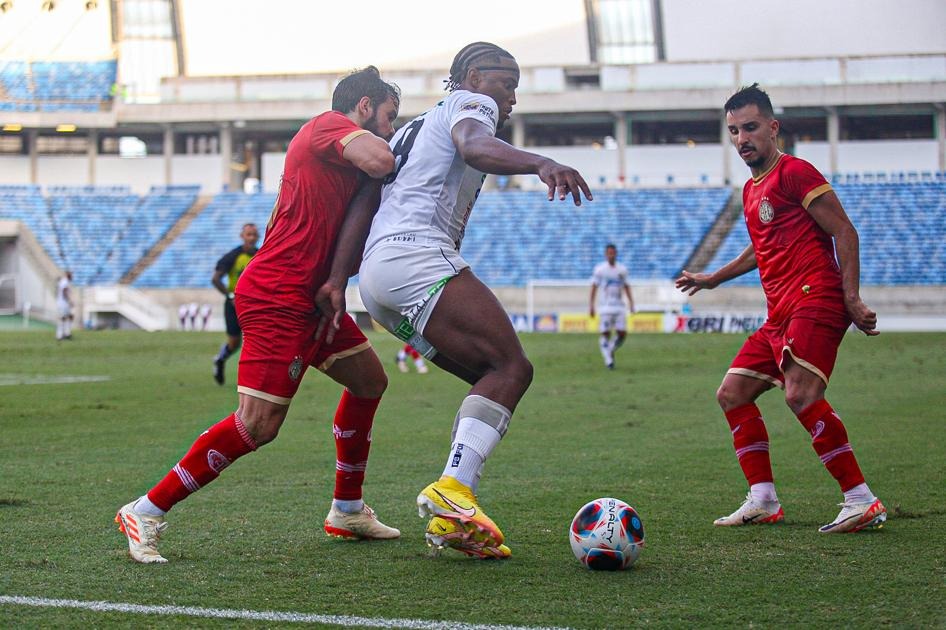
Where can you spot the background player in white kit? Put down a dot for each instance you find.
(611, 277)
(64, 304)
(415, 283)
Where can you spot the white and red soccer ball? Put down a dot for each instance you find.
(606, 535)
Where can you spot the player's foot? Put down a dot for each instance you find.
(422, 368)
(611, 365)
(451, 500)
(142, 532)
(442, 532)
(857, 516)
(402, 366)
(363, 525)
(753, 512)
(218, 371)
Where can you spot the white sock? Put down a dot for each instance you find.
(474, 442)
(605, 345)
(67, 327)
(419, 362)
(859, 494)
(145, 506)
(764, 492)
(59, 328)
(401, 355)
(349, 507)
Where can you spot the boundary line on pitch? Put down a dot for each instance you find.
(253, 615)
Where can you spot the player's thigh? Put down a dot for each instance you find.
(470, 326)
(278, 346)
(350, 361)
(758, 358)
(400, 286)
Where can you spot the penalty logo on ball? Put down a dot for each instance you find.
(606, 534)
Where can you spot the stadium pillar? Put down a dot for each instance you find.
(727, 150)
(940, 125)
(93, 154)
(31, 136)
(620, 135)
(834, 136)
(168, 152)
(226, 154)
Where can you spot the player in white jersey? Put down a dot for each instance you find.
(611, 277)
(64, 304)
(415, 283)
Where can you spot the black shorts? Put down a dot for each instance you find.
(230, 316)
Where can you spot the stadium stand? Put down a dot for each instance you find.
(518, 236)
(513, 236)
(189, 261)
(26, 203)
(97, 232)
(902, 229)
(56, 86)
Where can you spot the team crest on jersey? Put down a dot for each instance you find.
(766, 211)
(295, 368)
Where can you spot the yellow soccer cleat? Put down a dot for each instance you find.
(451, 500)
(443, 532)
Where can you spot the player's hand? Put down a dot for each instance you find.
(330, 300)
(864, 318)
(563, 180)
(693, 282)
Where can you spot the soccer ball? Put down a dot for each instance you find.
(606, 535)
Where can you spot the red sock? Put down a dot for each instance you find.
(409, 349)
(829, 439)
(215, 449)
(353, 420)
(751, 442)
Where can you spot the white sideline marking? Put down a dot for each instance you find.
(254, 615)
(41, 379)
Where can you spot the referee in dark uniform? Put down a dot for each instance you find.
(232, 265)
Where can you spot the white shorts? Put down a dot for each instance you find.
(401, 284)
(612, 320)
(65, 309)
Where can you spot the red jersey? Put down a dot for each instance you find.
(317, 186)
(795, 256)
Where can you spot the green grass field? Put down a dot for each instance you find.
(649, 433)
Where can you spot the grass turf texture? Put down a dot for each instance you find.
(649, 433)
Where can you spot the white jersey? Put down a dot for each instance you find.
(610, 281)
(427, 199)
(62, 292)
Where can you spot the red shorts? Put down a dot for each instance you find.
(811, 337)
(279, 344)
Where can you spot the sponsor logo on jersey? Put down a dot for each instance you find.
(471, 106)
(217, 461)
(766, 211)
(295, 368)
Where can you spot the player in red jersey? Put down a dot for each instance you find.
(327, 161)
(796, 224)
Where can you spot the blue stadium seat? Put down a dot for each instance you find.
(56, 86)
(902, 230)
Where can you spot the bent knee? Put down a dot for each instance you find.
(799, 398)
(730, 397)
(521, 371)
(370, 388)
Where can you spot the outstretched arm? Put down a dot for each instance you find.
(484, 152)
(827, 212)
(693, 282)
(349, 245)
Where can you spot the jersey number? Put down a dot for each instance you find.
(402, 149)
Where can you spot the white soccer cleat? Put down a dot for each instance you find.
(753, 512)
(142, 532)
(402, 366)
(363, 525)
(857, 516)
(421, 368)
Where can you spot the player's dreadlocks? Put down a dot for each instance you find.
(470, 56)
